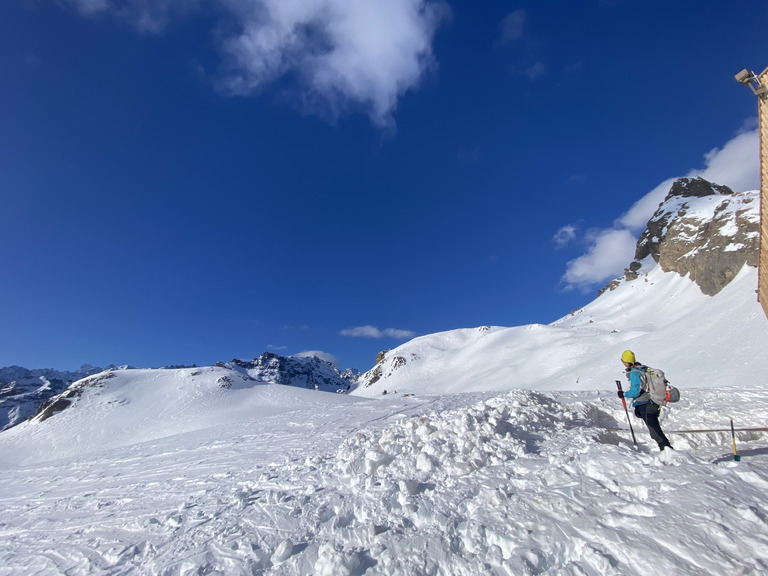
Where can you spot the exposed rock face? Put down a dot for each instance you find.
(293, 371)
(40, 394)
(386, 364)
(703, 230)
(22, 391)
(61, 401)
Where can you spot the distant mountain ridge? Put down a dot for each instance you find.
(700, 239)
(679, 289)
(41, 393)
(23, 390)
(305, 372)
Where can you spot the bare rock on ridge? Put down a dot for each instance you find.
(701, 229)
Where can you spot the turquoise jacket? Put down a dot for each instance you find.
(636, 385)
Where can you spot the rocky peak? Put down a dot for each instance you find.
(703, 230)
(295, 371)
(23, 390)
(696, 188)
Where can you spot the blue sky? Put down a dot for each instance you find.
(194, 181)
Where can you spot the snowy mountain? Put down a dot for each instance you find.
(689, 294)
(312, 372)
(703, 230)
(22, 391)
(495, 451)
(43, 393)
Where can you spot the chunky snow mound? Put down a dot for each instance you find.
(206, 471)
(272, 480)
(663, 317)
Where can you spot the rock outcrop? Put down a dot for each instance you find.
(22, 391)
(312, 373)
(702, 230)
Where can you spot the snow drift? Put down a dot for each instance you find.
(496, 451)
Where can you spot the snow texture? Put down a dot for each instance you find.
(496, 451)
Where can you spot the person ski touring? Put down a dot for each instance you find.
(645, 408)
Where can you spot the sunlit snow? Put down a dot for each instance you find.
(495, 451)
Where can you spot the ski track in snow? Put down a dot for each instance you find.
(483, 483)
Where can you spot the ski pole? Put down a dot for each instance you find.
(618, 385)
(733, 437)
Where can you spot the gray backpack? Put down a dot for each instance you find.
(657, 386)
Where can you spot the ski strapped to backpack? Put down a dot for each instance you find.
(654, 382)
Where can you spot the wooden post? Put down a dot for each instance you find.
(762, 113)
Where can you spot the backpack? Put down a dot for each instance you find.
(657, 386)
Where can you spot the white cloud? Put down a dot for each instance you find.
(641, 211)
(373, 332)
(563, 236)
(512, 26)
(319, 354)
(609, 251)
(342, 54)
(345, 53)
(736, 165)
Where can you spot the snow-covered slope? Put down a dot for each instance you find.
(305, 372)
(496, 451)
(122, 408)
(42, 393)
(166, 472)
(22, 390)
(664, 317)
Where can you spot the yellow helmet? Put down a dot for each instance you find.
(628, 356)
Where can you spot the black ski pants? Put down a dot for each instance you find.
(649, 413)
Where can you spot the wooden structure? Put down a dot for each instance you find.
(762, 283)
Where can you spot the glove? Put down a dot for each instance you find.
(620, 393)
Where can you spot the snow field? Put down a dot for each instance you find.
(511, 469)
(460, 469)
(518, 483)
(699, 341)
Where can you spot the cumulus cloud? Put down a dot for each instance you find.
(737, 164)
(341, 55)
(373, 332)
(319, 354)
(610, 250)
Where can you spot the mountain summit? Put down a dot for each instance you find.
(42, 393)
(689, 289)
(492, 453)
(23, 390)
(702, 230)
(688, 293)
